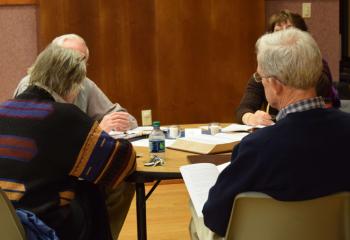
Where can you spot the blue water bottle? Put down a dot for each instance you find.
(157, 142)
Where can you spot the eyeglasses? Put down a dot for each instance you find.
(258, 78)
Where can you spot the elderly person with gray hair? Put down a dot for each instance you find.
(289, 160)
(53, 157)
(254, 108)
(91, 100)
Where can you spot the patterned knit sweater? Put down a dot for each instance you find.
(54, 161)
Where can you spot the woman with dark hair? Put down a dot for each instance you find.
(285, 19)
(254, 99)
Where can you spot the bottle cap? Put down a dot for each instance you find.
(156, 124)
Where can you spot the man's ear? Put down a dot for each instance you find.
(276, 86)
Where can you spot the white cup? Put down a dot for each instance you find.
(174, 131)
(214, 128)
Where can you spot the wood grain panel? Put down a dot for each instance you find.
(120, 35)
(128, 58)
(18, 2)
(187, 60)
(205, 56)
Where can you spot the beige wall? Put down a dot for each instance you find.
(18, 45)
(323, 25)
(18, 42)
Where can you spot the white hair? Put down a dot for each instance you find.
(59, 41)
(292, 56)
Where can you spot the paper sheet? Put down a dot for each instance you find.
(236, 128)
(145, 143)
(199, 178)
(219, 138)
(239, 128)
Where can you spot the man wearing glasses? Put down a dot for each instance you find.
(294, 159)
(253, 101)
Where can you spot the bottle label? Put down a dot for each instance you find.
(157, 146)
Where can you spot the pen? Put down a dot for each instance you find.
(268, 108)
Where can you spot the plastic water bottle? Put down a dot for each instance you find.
(157, 142)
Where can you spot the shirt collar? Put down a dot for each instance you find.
(300, 106)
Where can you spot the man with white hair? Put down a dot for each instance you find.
(91, 100)
(303, 156)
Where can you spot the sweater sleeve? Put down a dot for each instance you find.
(252, 100)
(104, 160)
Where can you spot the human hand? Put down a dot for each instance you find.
(118, 121)
(257, 118)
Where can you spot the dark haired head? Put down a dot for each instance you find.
(284, 16)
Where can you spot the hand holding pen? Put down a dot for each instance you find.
(258, 118)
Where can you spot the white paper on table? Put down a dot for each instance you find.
(235, 127)
(192, 131)
(219, 138)
(145, 142)
(145, 130)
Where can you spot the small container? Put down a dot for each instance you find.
(174, 132)
(214, 128)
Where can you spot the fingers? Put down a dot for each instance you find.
(265, 122)
(118, 115)
(118, 121)
(261, 118)
(262, 114)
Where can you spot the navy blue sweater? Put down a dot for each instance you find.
(303, 156)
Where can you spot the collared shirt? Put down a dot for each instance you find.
(300, 106)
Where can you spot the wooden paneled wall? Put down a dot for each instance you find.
(187, 60)
(18, 2)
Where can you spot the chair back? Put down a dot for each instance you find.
(10, 225)
(256, 216)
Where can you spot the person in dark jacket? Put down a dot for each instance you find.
(254, 100)
(294, 159)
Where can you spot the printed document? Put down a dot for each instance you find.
(199, 178)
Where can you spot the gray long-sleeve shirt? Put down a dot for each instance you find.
(90, 100)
